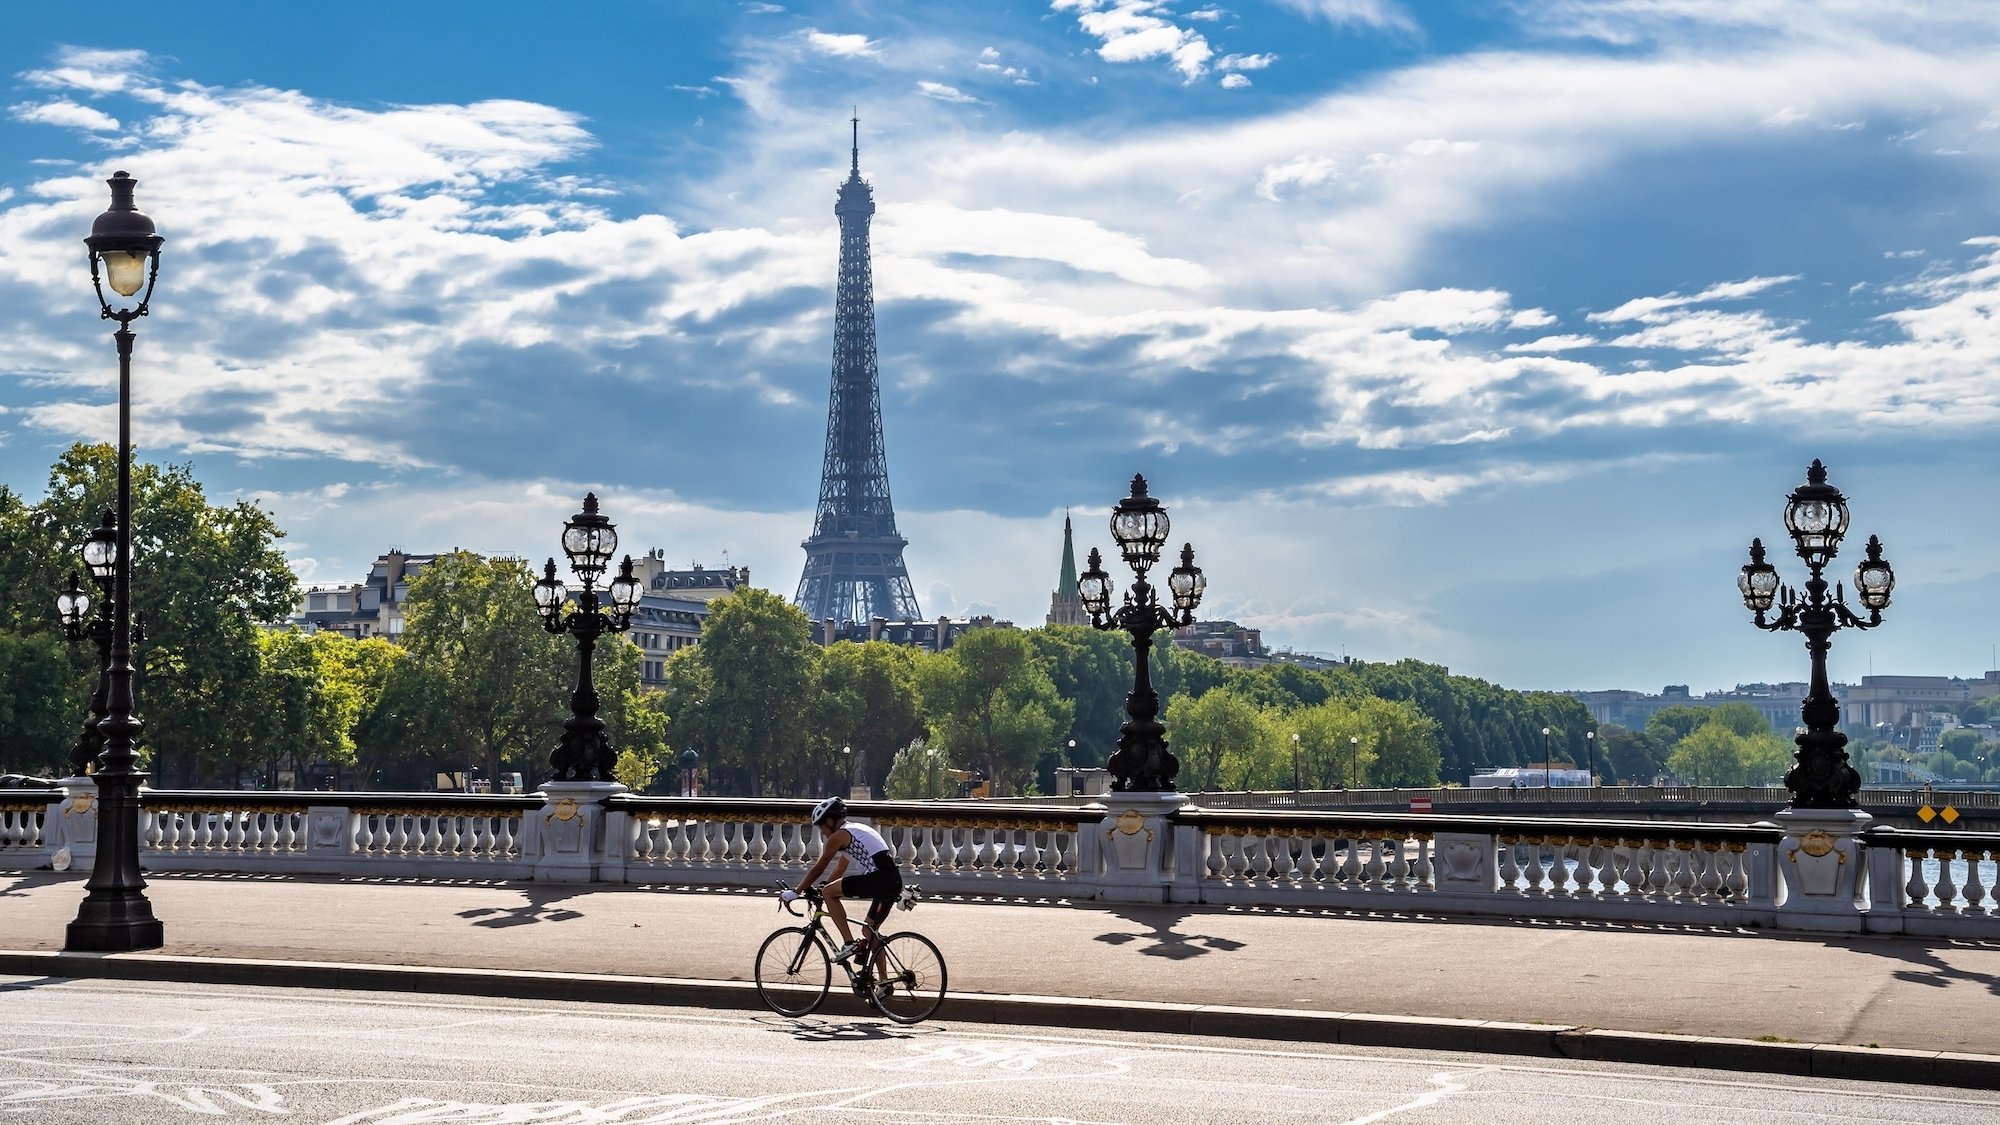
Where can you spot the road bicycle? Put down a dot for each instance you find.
(901, 977)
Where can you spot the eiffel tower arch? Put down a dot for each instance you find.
(854, 560)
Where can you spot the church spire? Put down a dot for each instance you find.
(1065, 604)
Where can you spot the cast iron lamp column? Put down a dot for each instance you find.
(1545, 763)
(584, 754)
(1142, 762)
(115, 915)
(73, 605)
(1816, 516)
(1354, 761)
(1295, 765)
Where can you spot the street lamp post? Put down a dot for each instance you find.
(115, 916)
(1142, 762)
(1545, 763)
(1353, 761)
(1816, 517)
(1295, 766)
(589, 540)
(1590, 755)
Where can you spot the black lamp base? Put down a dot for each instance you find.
(114, 922)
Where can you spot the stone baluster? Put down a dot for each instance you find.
(1375, 867)
(1510, 871)
(1946, 888)
(1975, 890)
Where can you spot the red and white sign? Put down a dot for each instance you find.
(1420, 804)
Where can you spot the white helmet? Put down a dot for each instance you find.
(832, 806)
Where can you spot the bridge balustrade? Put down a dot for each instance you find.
(1884, 880)
(21, 824)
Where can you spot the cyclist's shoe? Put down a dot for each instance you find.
(847, 951)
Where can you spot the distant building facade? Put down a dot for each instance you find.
(1238, 646)
(1887, 701)
(669, 617)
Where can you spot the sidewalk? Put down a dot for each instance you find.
(1899, 1000)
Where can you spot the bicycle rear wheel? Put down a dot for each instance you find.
(793, 971)
(910, 983)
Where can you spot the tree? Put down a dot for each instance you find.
(204, 577)
(992, 706)
(1710, 754)
(487, 682)
(1401, 741)
(1225, 742)
(740, 698)
(43, 701)
(1636, 757)
(635, 770)
(1742, 719)
(868, 704)
(1669, 725)
(921, 772)
(1092, 668)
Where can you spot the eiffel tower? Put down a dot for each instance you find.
(854, 560)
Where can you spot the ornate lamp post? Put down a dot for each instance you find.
(73, 606)
(584, 754)
(1353, 761)
(1590, 755)
(1295, 765)
(1816, 516)
(115, 916)
(1142, 762)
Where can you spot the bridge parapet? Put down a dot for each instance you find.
(1794, 876)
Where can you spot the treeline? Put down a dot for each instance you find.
(476, 685)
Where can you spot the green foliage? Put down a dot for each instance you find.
(921, 772)
(1224, 742)
(203, 575)
(993, 707)
(1741, 719)
(1092, 668)
(867, 705)
(740, 698)
(1636, 758)
(44, 698)
(486, 683)
(1714, 754)
(635, 770)
(1959, 743)
(1669, 725)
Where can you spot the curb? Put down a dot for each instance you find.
(1818, 1060)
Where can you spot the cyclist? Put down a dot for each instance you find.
(861, 868)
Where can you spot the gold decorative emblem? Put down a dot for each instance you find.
(80, 804)
(565, 809)
(1130, 822)
(1816, 843)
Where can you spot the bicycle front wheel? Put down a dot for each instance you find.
(910, 982)
(793, 971)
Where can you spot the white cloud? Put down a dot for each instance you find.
(1234, 81)
(945, 93)
(1369, 13)
(1245, 62)
(841, 46)
(67, 114)
(1654, 308)
(1135, 30)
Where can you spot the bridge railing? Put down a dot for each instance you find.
(1805, 873)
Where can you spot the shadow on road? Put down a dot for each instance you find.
(846, 1031)
(536, 909)
(1164, 940)
(37, 982)
(1928, 968)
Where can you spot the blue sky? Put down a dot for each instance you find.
(1486, 333)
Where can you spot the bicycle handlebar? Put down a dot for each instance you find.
(810, 894)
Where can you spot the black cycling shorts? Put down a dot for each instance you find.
(882, 885)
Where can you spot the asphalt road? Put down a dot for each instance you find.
(87, 1051)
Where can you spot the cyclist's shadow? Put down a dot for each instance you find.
(809, 1030)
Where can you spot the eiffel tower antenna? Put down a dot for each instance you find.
(854, 560)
